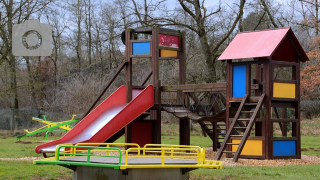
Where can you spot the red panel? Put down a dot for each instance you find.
(142, 133)
(132, 110)
(168, 41)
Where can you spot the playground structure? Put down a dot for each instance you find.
(50, 127)
(135, 109)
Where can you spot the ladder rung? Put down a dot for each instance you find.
(228, 152)
(233, 144)
(250, 104)
(236, 135)
(247, 111)
(220, 129)
(244, 119)
(239, 127)
(220, 138)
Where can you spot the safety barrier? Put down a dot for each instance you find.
(180, 156)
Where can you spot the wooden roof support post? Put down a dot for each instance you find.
(156, 114)
(128, 129)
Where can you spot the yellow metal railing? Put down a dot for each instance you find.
(110, 145)
(158, 154)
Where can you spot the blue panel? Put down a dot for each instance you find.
(239, 81)
(284, 148)
(140, 48)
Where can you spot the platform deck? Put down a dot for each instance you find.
(132, 161)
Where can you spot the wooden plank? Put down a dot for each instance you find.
(283, 103)
(169, 31)
(285, 120)
(249, 62)
(147, 30)
(285, 63)
(284, 99)
(215, 90)
(285, 81)
(284, 138)
(168, 58)
(141, 56)
(251, 138)
(140, 40)
(170, 48)
(193, 86)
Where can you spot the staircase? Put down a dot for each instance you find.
(208, 130)
(241, 124)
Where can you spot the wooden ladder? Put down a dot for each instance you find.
(233, 128)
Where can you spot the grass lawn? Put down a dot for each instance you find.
(26, 170)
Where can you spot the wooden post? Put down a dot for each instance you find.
(228, 97)
(268, 124)
(156, 114)
(184, 131)
(128, 130)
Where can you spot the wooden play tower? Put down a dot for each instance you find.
(258, 93)
(203, 103)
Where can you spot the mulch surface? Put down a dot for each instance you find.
(255, 162)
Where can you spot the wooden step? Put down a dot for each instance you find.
(247, 111)
(229, 152)
(236, 135)
(239, 127)
(243, 119)
(250, 104)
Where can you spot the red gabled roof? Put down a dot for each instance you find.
(263, 43)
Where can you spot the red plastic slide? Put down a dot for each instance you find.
(107, 119)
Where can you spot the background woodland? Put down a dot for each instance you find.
(87, 48)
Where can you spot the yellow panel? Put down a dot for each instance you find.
(252, 147)
(168, 53)
(284, 90)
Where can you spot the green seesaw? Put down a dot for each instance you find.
(50, 127)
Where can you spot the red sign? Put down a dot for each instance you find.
(168, 41)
